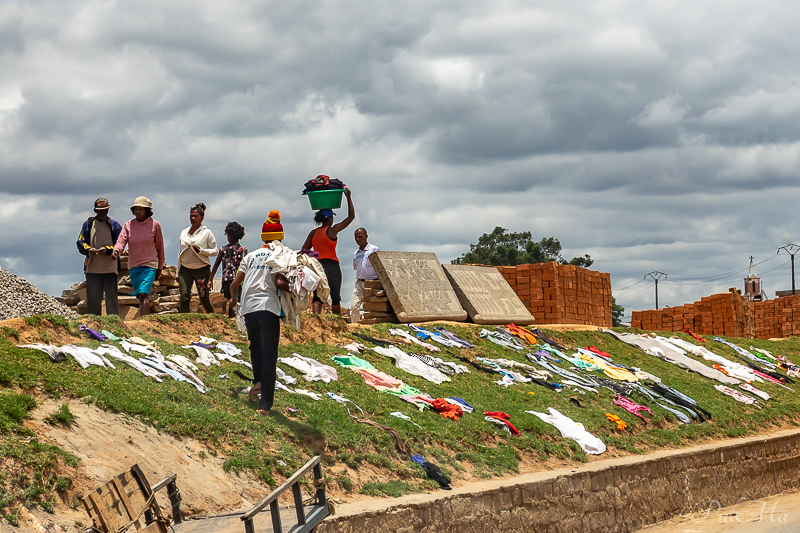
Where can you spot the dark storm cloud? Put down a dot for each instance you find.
(652, 136)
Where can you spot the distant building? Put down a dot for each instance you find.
(752, 285)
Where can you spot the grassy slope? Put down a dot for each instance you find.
(225, 421)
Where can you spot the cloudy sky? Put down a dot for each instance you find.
(653, 136)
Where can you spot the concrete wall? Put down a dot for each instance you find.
(619, 495)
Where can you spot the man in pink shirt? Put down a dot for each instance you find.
(145, 242)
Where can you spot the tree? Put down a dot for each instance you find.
(617, 312)
(508, 249)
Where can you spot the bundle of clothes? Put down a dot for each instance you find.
(323, 183)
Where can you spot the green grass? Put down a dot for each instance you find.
(9, 333)
(61, 417)
(393, 488)
(226, 422)
(28, 474)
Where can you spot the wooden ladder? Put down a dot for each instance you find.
(305, 522)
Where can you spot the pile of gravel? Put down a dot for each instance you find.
(18, 298)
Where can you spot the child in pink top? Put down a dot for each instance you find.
(145, 244)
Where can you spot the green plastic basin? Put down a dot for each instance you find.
(331, 199)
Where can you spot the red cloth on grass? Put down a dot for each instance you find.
(599, 352)
(503, 417)
(693, 335)
(444, 408)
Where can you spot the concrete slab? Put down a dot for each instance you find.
(486, 295)
(417, 286)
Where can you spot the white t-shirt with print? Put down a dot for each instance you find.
(258, 288)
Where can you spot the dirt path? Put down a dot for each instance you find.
(776, 514)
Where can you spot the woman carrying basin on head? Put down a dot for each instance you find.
(323, 240)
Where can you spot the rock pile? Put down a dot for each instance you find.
(18, 298)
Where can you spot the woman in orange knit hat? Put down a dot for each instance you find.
(323, 241)
(261, 308)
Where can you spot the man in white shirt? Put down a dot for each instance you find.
(364, 271)
(261, 308)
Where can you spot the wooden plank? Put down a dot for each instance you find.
(375, 314)
(144, 486)
(132, 513)
(276, 515)
(133, 490)
(112, 507)
(163, 483)
(378, 307)
(374, 293)
(298, 504)
(98, 513)
(370, 321)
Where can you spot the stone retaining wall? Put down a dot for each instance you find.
(620, 495)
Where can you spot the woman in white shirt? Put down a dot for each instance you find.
(198, 245)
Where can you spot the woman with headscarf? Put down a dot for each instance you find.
(198, 245)
(142, 234)
(261, 309)
(323, 241)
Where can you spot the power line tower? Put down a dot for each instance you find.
(790, 249)
(655, 276)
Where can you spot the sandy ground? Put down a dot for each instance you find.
(109, 443)
(776, 514)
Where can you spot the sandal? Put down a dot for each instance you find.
(263, 412)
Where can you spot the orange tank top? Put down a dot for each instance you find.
(323, 244)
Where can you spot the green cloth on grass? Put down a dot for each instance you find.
(351, 361)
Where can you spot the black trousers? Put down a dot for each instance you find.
(264, 332)
(96, 286)
(333, 271)
(186, 277)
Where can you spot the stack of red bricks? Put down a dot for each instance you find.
(562, 294)
(719, 314)
(727, 314)
(768, 317)
(777, 318)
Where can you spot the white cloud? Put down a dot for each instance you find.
(667, 111)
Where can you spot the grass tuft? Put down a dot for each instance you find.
(61, 417)
(9, 333)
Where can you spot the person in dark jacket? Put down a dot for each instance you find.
(98, 236)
